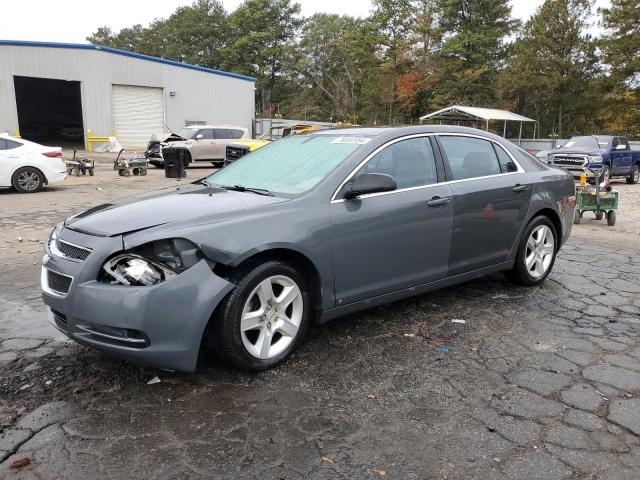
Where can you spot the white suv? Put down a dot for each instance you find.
(207, 142)
(27, 166)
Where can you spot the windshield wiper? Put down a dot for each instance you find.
(202, 181)
(240, 188)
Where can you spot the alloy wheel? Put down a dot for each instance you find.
(28, 180)
(636, 175)
(271, 317)
(540, 250)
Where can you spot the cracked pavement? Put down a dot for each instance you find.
(538, 383)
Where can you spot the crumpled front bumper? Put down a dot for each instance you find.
(159, 326)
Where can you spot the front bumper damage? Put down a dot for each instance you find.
(159, 326)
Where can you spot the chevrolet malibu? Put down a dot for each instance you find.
(303, 230)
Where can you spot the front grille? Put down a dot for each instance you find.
(72, 251)
(234, 152)
(570, 160)
(58, 283)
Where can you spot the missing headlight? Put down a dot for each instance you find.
(133, 270)
(152, 263)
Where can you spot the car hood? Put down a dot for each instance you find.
(581, 151)
(193, 202)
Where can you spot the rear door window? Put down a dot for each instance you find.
(235, 133)
(470, 157)
(222, 133)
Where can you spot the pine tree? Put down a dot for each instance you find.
(473, 49)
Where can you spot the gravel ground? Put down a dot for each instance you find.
(536, 383)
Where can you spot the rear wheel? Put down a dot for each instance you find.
(262, 321)
(536, 253)
(28, 180)
(634, 175)
(611, 218)
(599, 215)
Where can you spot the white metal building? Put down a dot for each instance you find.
(69, 93)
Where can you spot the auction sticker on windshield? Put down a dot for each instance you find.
(356, 140)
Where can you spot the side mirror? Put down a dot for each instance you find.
(370, 183)
(199, 136)
(621, 146)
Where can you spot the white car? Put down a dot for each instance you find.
(27, 166)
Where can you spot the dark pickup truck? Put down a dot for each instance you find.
(610, 154)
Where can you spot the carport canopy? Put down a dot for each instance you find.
(457, 113)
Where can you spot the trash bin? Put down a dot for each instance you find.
(174, 162)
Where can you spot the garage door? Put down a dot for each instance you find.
(138, 113)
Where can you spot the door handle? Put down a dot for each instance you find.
(437, 201)
(520, 188)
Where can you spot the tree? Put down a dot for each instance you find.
(337, 56)
(262, 33)
(621, 45)
(125, 39)
(194, 34)
(473, 49)
(621, 48)
(390, 19)
(553, 65)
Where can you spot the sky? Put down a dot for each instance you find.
(48, 21)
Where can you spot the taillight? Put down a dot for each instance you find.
(53, 154)
(572, 201)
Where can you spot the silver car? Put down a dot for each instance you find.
(303, 230)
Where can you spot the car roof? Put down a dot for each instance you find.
(404, 130)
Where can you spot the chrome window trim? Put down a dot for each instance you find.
(55, 251)
(449, 182)
(44, 283)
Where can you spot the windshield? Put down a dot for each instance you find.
(291, 166)
(188, 133)
(586, 142)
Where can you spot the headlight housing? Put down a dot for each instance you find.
(595, 158)
(151, 263)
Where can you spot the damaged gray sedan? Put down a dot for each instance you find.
(303, 230)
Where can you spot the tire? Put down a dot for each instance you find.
(235, 346)
(611, 218)
(187, 160)
(605, 174)
(136, 171)
(634, 175)
(91, 172)
(143, 171)
(27, 180)
(543, 260)
(599, 215)
(577, 216)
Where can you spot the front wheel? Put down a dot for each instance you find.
(262, 321)
(634, 175)
(536, 253)
(605, 174)
(599, 215)
(611, 218)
